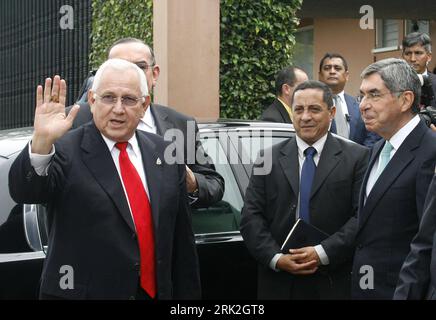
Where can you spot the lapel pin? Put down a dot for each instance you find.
(158, 162)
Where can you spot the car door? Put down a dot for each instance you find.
(21, 251)
(227, 269)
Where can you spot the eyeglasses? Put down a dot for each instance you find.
(374, 95)
(144, 65)
(111, 100)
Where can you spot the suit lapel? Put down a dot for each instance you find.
(374, 155)
(161, 120)
(153, 171)
(353, 113)
(399, 162)
(290, 165)
(283, 112)
(329, 160)
(98, 159)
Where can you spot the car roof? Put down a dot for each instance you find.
(229, 124)
(14, 140)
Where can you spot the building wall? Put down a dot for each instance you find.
(345, 36)
(186, 42)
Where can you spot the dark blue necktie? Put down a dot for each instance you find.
(307, 174)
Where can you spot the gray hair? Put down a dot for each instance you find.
(121, 66)
(398, 76)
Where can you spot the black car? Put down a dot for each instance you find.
(227, 269)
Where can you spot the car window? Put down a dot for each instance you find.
(12, 234)
(252, 145)
(225, 215)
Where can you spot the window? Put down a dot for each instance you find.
(303, 50)
(417, 26)
(387, 34)
(232, 161)
(225, 215)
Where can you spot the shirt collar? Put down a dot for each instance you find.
(148, 119)
(284, 103)
(398, 138)
(133, 144)
(318, 145)
(342, 95)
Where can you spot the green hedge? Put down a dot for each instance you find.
(257, 38)
(115, 19)
(256, 41)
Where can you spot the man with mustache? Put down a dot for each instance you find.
(316, 177)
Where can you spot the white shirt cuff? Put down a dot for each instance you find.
(41, 162)
(274, 260)
(322, 255)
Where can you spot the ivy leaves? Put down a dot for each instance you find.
(256, 42)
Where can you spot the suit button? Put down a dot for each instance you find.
(29, 176)
(132, 298)
(293, 207)
(137, 266)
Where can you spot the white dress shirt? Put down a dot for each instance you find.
(344, 107)
(147, 123)
(396, 141)
(319, 146)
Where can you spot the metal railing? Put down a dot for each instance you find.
(37, 41)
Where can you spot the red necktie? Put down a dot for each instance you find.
(141, 211)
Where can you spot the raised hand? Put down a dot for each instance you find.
(50, 121)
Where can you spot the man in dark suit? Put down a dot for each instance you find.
(396, 182)
(333, 71)
(205, 186)
(286, 81)
(418, 274)
(119, 231)
(275, 199)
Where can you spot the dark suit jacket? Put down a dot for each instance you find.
(90, 225)
(389, 218)
(270, 211)
(418, 275)
(276, 112)
(432, 77)
(210, 183)
(358, 132)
